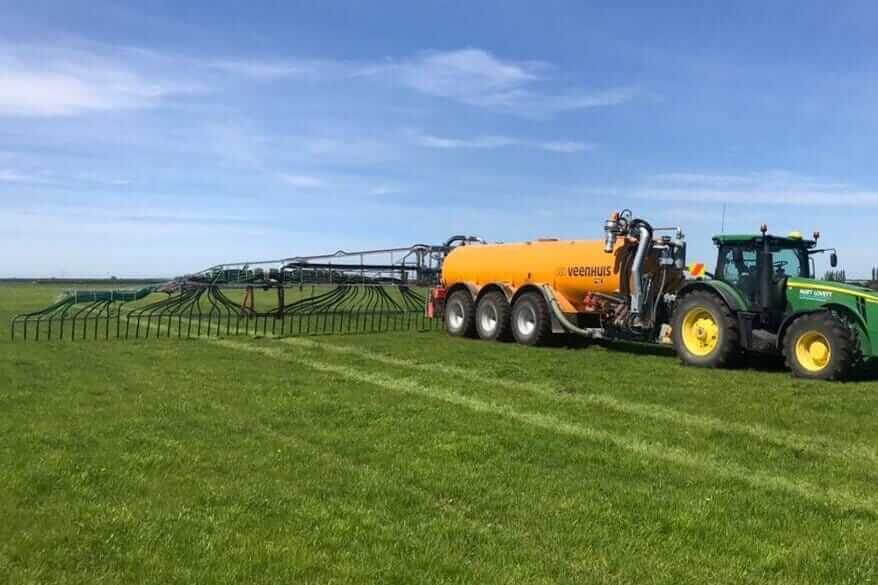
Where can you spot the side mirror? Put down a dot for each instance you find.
(833, 260)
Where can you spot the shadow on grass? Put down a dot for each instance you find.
(755, 362)
(616, 345)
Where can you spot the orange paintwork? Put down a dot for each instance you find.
(571, 267)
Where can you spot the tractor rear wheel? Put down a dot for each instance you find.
(531, 322)
(460, 319)
(820, 346)
(705, 331)
(492, 316)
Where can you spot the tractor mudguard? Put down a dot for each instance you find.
(735, 301)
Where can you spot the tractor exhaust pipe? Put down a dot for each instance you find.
(767, 262)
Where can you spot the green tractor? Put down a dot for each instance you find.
(763, 298)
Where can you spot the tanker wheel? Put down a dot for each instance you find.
(460, 319)
(820, 346)
(531, 323)
(705, 331)
(492, 316)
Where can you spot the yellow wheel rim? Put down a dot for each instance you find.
(813, 351)
(700, 332)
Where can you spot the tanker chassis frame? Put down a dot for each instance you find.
(761, 298)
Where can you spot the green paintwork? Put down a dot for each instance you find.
(859, 303)
(744, 303)
(725, 290)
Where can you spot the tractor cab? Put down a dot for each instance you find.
(759, 266)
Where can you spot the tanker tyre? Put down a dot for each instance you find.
(460, 314)
(531, 322)
(493, 317)
(821, 346)
(705, 331)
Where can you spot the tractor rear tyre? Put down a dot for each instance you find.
(460, 314)
(705, 331)
(820, 346)
(492, 316)
(531, 322)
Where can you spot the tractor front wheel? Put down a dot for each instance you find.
(820, 346)
(705, 331)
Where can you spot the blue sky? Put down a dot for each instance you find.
(156, 140)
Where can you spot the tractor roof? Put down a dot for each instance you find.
(744, 239)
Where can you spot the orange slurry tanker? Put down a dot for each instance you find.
(610, 288)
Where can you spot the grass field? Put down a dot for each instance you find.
(415, 458)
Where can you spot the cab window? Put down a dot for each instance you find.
(790, 262)
(738, 267)
(737, 263)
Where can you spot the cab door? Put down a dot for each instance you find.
(739, 267)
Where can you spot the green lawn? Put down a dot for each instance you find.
(415, 458)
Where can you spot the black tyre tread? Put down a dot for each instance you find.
(543, 334)
(842, 337)
(730, 349)
(504, 316)
(469, 328)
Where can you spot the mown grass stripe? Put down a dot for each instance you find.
(375, 477)
(653, 450)
(820, 446)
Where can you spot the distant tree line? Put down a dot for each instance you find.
(835, 276)
(841, 276)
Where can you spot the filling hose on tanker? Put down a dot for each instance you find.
(632, 270)
(645, 233)
(463, 240)
(631, 265)
(593, 333)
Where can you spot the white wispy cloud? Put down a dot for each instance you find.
(386, 190)
(77, 179)
(351, 184)
(489, 142)
(90, 177)
(39, 81)
(52, 81)
(306, 181)
(463, 73)
(14, 176)
(349, 148)
(476, 77)
(272, 69)
(472, 76)
(767, 188)
(539, 104)
(10, 176)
